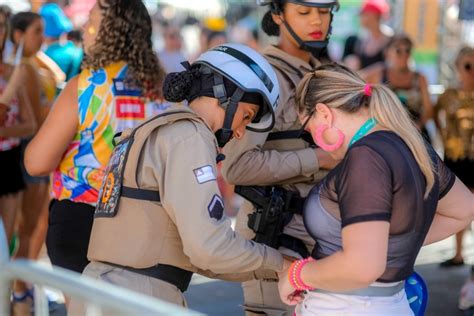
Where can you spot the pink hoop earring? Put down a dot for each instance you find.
(318, 137)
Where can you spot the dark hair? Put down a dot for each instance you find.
(21, 21)
(6, 10)
(177, 85)
(125, 35)
(212, 35)
(75, 35)
(268, 25)
(401, 38)
(463, 52)
(7, 29)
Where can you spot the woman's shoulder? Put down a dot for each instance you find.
(384, 144)
(186, 130)
(373, 154)
(378, 137)
(447, 96)
(30, 66)
(449, 92)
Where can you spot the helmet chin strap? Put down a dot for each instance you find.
(230, 105)
(224, 134)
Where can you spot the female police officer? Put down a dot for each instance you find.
(159, 216)
(281, 159)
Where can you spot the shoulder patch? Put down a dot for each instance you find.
(216, 207)
(204, 174)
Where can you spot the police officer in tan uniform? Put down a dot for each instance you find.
(283, 164)
(160, 215)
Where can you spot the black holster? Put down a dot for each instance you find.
(274, 208)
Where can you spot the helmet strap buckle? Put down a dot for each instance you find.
(219, 89)
(224, 134)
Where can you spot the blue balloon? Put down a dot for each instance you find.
(417, 294)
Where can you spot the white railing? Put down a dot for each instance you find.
(97, 295)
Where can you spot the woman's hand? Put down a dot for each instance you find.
(44, 153)
(288, 294)
(325, 160)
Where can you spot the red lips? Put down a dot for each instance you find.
(316, 35)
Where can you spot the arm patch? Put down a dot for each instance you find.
(216, 207)
(204, 174)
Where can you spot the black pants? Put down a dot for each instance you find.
(69, 229)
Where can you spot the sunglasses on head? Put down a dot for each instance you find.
(467, 66)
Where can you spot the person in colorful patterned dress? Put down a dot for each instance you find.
(119, 87)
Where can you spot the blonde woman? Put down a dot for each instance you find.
(389, 196)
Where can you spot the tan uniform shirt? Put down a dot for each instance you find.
(181, 159)
(288, 162)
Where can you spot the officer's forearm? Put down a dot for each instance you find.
(231, 253)
(266, 167)
(260, 274)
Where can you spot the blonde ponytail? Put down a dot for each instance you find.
(387, 109)
(339, 87)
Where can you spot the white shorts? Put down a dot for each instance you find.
(338, 304)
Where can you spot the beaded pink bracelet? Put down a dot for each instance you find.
(294, 275)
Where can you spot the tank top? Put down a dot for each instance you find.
(409, 96)
(354, 46)
(106, 105)
(12, 120)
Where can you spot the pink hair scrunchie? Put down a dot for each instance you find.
(368, 89)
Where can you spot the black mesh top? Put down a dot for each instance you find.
(378, 180)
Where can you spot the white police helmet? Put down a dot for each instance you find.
(250, 72)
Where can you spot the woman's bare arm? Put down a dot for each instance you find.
(44, 152)
(454, 213)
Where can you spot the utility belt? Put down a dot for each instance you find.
(171, 274)
(274, 208)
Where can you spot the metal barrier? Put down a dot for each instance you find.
(96, 294)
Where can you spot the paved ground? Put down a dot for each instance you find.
(217, 298)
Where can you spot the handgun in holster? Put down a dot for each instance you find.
(272, 213)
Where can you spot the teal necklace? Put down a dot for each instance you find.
(363, 130)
